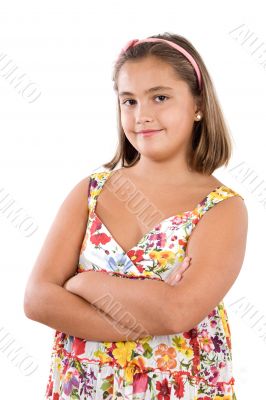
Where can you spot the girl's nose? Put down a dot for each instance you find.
(143, 114)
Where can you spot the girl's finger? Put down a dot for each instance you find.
(176, 274)
(180, 270)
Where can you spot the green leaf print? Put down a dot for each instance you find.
(148, 350)
(183, 364)
(105, 386)
(78, 367)
(74, 394)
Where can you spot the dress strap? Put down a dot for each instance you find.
(97, 180)
(219, 194)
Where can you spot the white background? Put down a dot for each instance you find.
(68, 49)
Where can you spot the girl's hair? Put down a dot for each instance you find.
(210, 146)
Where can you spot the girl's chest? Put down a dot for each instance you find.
(130, 215)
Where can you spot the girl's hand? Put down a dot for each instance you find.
(176, 275)
(69, 284)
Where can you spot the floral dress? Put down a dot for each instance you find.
(192, 365)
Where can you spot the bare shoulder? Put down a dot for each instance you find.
(226, 221)
(229, 206)
(75, 203)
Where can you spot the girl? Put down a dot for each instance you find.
(151, 325)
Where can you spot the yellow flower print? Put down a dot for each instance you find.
(123, 352)
(58, 364)
(224, 322)
(188, 352)
(108, 344)
(129, 372)
(102, 175)
(180, 345)
(147, 273)
(217, 195)
(135, 365)
(95, 192)
(226, 397)
(102, 356)
(163, 257)
(221, 193)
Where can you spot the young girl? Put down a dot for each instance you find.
(152, 324)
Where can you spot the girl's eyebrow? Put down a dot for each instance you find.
(153, 89)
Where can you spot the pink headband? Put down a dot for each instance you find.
(134, 42)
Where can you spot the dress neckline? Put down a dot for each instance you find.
(154, 228)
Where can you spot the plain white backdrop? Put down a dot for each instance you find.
(62, 126)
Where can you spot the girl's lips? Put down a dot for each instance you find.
(149, 133)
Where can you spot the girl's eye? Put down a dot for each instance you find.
(155, 97)
(162, 96)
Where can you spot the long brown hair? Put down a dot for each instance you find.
(210, 146)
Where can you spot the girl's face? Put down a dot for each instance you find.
(171, 110)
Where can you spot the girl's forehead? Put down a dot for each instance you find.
(147, 64)
(139, 85)
(148, 74)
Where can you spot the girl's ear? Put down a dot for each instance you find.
(198, 104)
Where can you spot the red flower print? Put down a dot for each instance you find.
(179, 386)
(78, 346)
(95, 226)
(164, 389)
(212, 313)
(181, 242)
(191, 334)
(140, 383)
(140, 268)
(56, 396)
(100, 238)
(49, 387)
(136, 255)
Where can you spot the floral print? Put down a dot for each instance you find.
(192, 365)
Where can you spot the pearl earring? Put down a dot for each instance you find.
(198, 117)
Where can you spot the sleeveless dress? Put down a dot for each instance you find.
(192, 365)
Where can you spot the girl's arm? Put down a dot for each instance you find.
(132, 302)
(59, 309)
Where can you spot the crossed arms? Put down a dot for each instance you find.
(157, 308)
